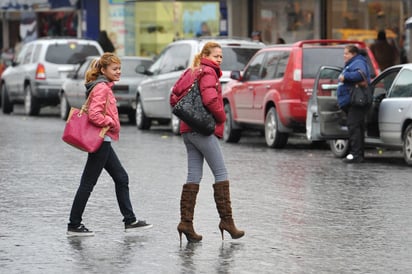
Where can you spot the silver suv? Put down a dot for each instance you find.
(153, 93)
(36, 76)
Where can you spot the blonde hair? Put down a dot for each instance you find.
(206, 51)
(95, 68)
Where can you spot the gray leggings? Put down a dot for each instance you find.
(200, 147)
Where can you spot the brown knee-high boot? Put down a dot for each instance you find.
(187, 208)
(222, 199)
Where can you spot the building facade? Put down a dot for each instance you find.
(145, 27)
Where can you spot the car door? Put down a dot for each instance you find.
(243, 93)
(273, 72)
(324, 119)
(395, 108)
(17, 74)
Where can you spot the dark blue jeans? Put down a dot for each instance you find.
(106, 158)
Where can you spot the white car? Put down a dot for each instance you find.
(388, 120)
(36, 76)
(153, 93)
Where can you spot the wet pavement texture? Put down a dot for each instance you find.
(303, 210)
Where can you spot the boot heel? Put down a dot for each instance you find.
(221, 232)
(180, 236)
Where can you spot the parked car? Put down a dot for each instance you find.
(73, 91)
(36, 76)
(153, 93)
(388, 120)
(271, 94)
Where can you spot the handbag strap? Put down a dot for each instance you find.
(365, 80)
(85, 106)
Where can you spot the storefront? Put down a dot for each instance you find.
(341, 19)
(27, 20)
(145, 27)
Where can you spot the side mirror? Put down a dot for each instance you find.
(235, 75)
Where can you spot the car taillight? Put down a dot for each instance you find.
(40, 72)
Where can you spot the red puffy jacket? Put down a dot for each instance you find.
(210, 90)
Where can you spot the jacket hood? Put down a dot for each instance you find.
(355, 58)
(90, 85)
(210, 63)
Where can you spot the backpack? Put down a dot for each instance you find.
(183, 84)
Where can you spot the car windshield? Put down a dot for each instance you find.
(314, 58)
(236, 58)
(69, 53)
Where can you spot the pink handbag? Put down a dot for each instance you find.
(82, 134)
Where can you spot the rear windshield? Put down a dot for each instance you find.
(70, 53)
(129, 66)
(236, 58)
(314, 58)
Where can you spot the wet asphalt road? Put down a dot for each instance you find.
(303, 210)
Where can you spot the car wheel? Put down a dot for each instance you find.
(175, 124)
(6, 105)
(339, 147)
(31, 103)
(64, 107)
(230, 135)
(273, 137)
(142, 122)
(407, 145)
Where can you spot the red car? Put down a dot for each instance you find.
(272, 92)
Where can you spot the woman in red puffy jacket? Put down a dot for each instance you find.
(200, 147)
(102, 111)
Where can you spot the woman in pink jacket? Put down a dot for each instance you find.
(200, 147)
(102, 111)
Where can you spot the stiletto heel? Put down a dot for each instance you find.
(221, 232)
(180, 236)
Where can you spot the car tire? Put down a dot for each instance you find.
(175, 124)
(142, 122)
(6, 105)
(64, 107)
(339, 147)
(31, 103)
(230, 135)
(273, 137)
(407, 145)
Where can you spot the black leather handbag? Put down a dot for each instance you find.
(191, 110)
(361, 94)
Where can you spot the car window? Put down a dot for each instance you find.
(283, 61)
(403, 86)
(382, 85)
(69, 53)
(275, 65)
(27, 54)
(314, 58)
(252, 72)
(236, 58)
(269, 70)
(175, 58)
(129, 66)
(37, 50)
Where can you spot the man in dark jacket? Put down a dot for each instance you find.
(385, 54)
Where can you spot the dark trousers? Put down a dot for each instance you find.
(356, 128)
(105, 158)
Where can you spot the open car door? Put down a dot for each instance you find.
(324, 119)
